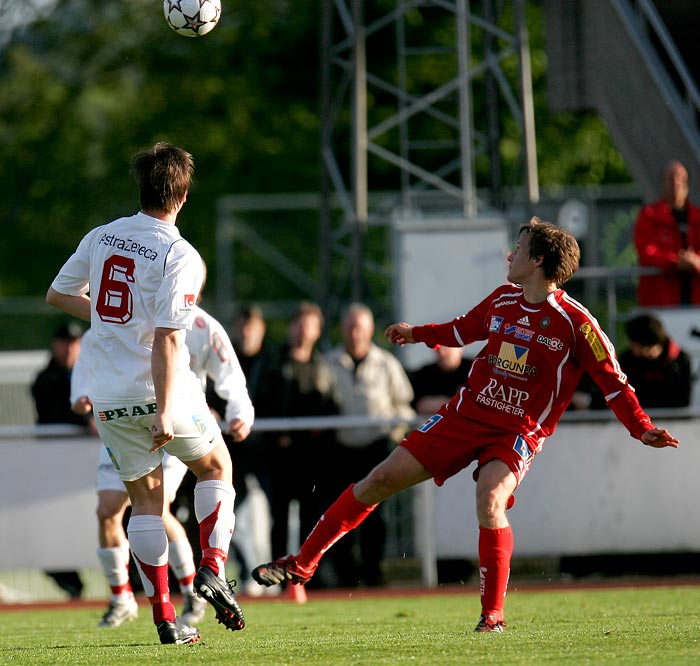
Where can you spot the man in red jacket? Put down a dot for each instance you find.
(537, 343)
(667, 235)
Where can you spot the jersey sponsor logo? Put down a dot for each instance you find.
(594, 342)
(189, 301)
(500, 304)
(519, 332)
(504, 398)
(128, 245)
(521, 448)
(512, 358)
(524, 321)
(120, 412)
(495, 325)
(555, 344)
(200, 422)
(435, 418)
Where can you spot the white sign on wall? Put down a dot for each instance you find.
(444, 267)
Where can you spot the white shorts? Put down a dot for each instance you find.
(108, 479)
(125, 431)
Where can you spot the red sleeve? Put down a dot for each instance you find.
(627, 409)
(460, 331)
(597, 357)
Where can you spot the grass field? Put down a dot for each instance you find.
(644, 625)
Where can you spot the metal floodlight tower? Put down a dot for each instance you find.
(424, 150)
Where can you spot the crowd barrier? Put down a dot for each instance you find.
(592, 490)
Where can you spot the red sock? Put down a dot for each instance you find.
(345, 514)
(157, 576)
(495, 552)
(186, 581)
(121, 589)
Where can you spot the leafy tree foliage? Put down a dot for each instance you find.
(99, 79)
(95, 80)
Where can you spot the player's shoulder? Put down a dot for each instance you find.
(572, 309)
(506, 294)
(181, 247)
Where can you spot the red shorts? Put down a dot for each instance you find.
(447, 443)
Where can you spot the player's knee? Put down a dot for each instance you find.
(490, 506)
(106, 515)
(377, 485)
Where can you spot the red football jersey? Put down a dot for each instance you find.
(523, 379)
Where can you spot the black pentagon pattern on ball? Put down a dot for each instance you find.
(193, 23)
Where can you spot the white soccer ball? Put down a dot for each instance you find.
(192, 18)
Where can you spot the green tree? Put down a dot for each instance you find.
(98, 79)
(95, 80)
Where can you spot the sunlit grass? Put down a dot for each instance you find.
(616, 626)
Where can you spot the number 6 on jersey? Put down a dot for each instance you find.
(114, 301)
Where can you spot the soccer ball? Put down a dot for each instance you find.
(192, 18)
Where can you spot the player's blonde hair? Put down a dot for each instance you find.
(164, 175)
(558, 249)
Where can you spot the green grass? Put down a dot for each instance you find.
(652, 626)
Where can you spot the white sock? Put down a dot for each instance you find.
(213, 506)
(181, 560)
(149, 544)
(115, 566)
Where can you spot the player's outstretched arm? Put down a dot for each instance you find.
(659, 438)
(400, 334)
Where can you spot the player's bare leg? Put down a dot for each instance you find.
(494, 487)
(400, 470)
(113, 554)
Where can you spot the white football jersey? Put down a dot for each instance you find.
(141, 274)
(212, 354)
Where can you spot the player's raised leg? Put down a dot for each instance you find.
(400, 470)
(213, 504)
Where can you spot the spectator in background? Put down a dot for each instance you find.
(250, 465)
(301, 384)
(434, 384)
(248, 338)
(51, 393)
(667, 237)
(51, 388)
(369, 381)
(655, 365)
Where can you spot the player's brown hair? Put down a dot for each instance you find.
(558, 248)
(164, 175)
